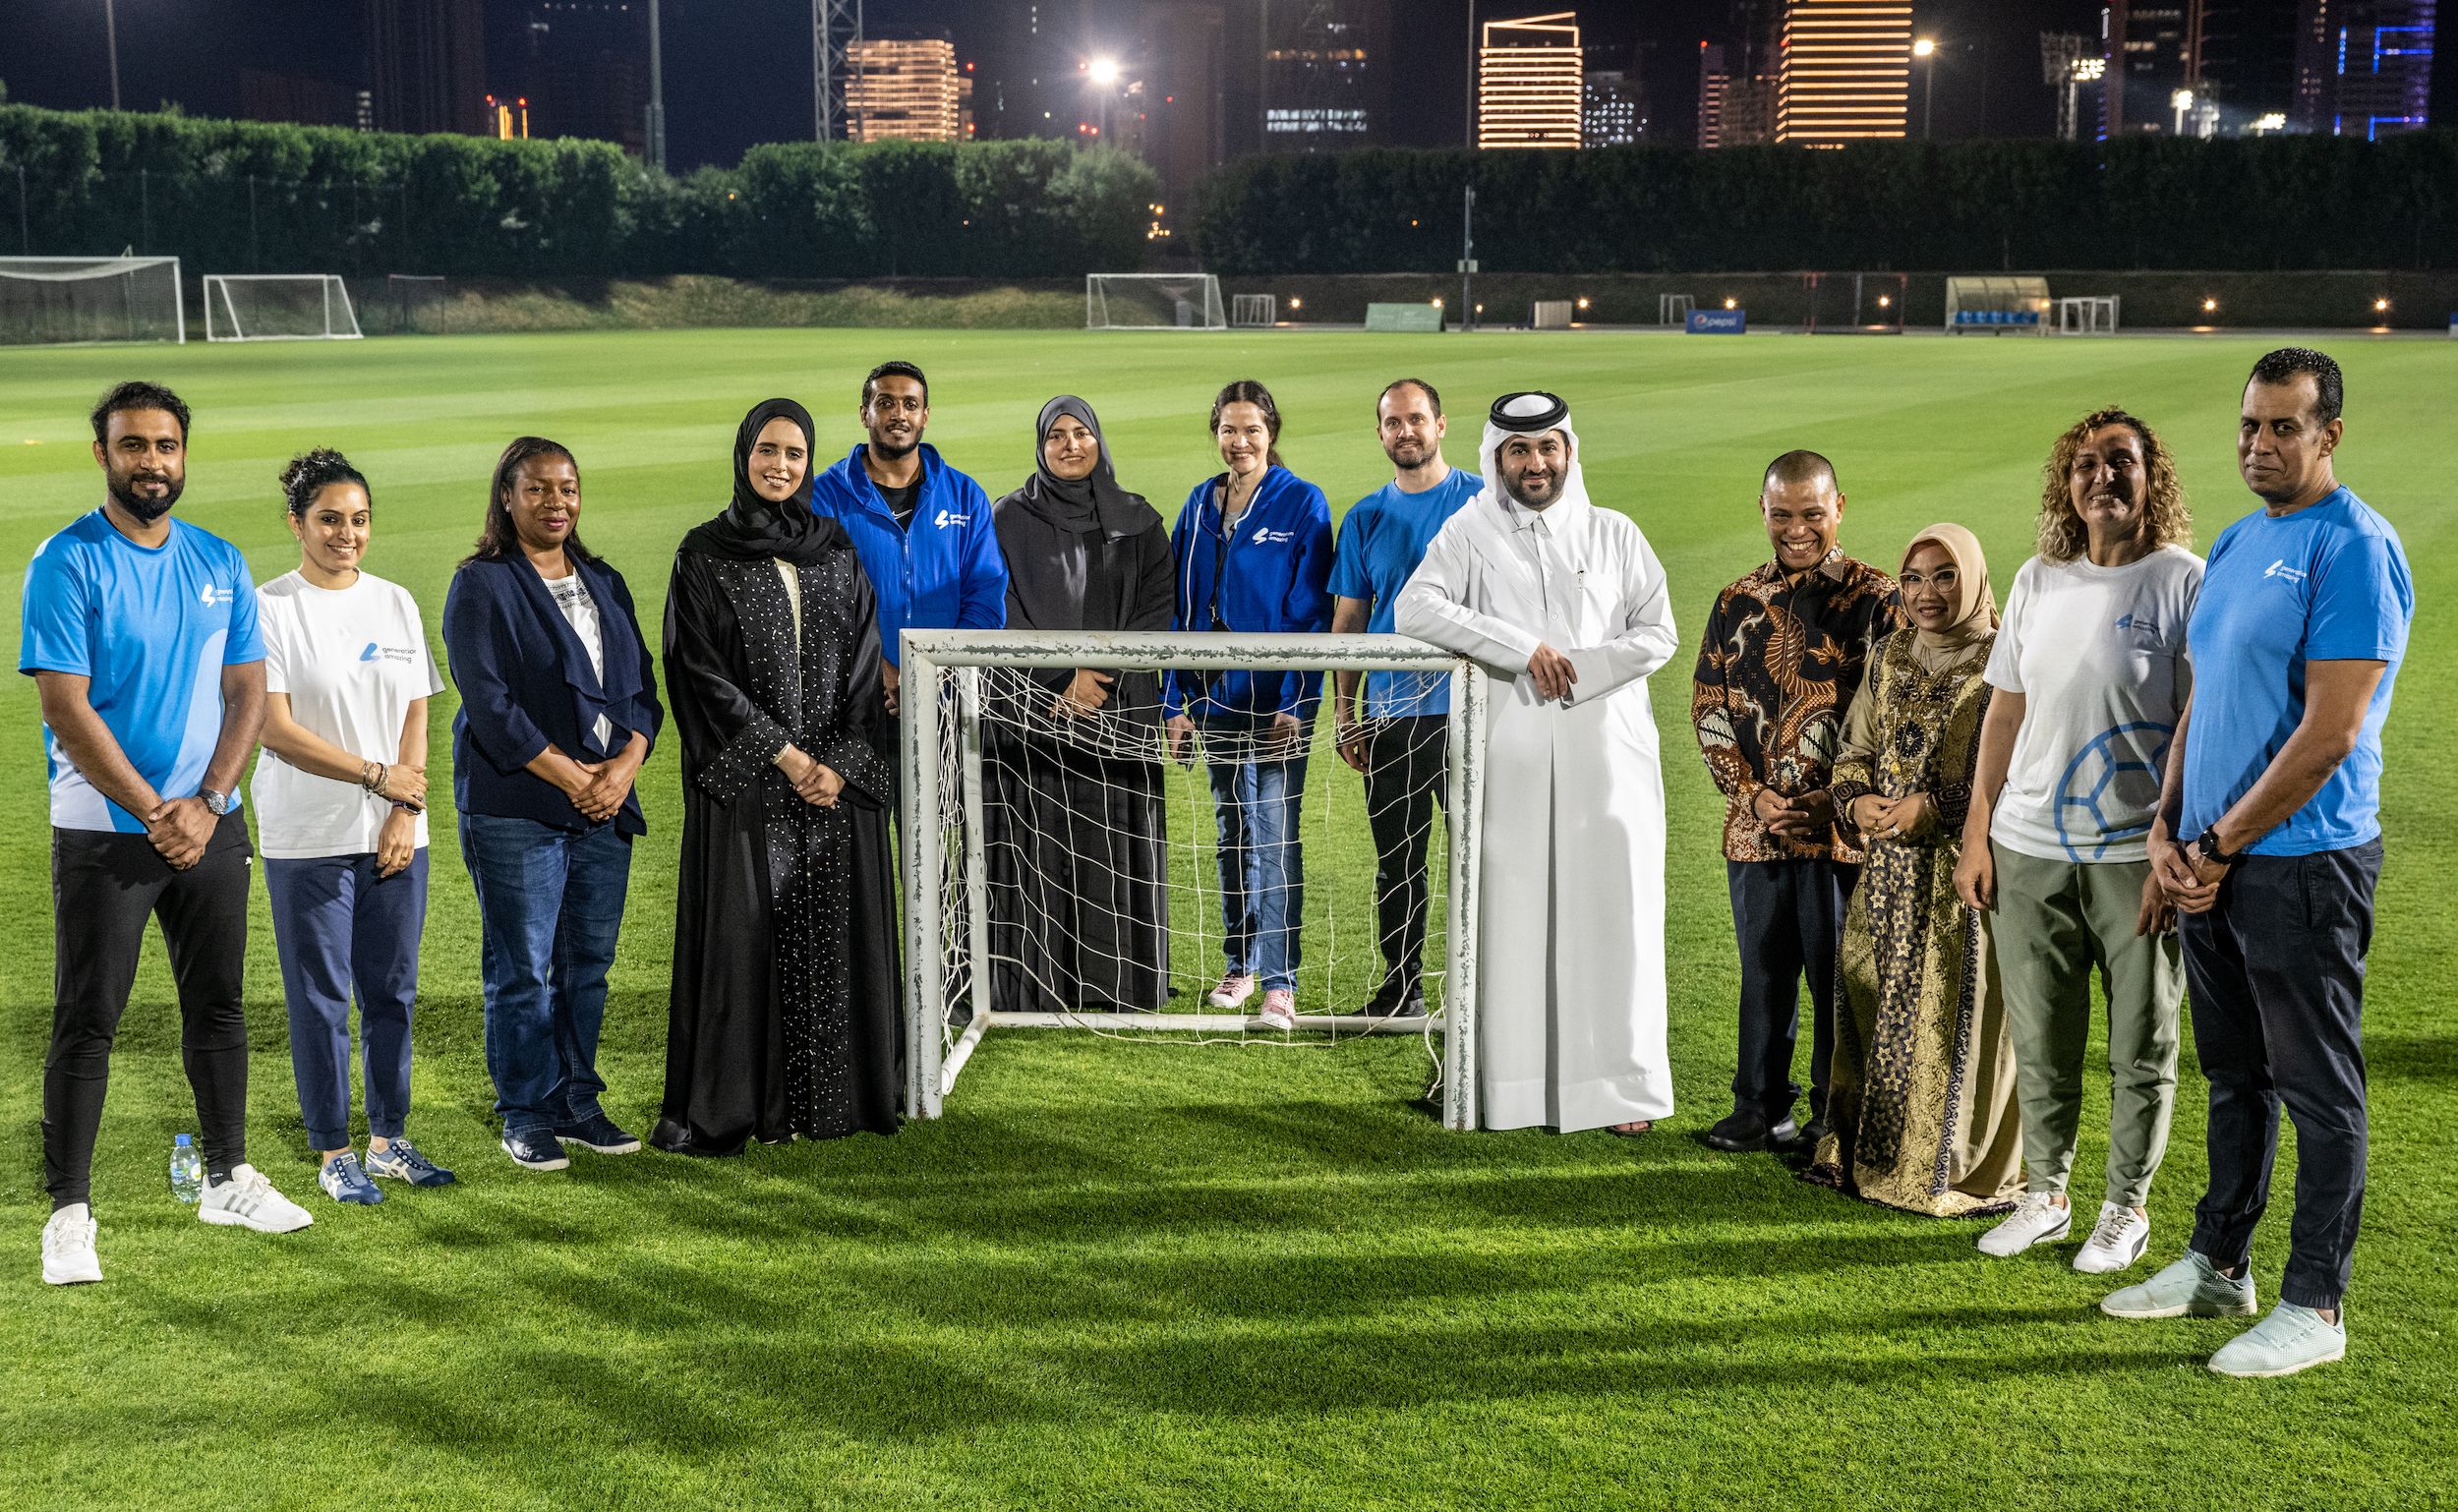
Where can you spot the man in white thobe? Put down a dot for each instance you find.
(1565, 606)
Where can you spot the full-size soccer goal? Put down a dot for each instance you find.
(279, 307)
(90, 299)
(1152, 302)
(1066, 867)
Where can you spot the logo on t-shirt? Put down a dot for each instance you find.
(375, 653)
(2280, 569)
(2142, 622)
(1264, 536)
(947, 517)
(214, 597)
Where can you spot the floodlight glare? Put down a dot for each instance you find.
(2181, 100)
(2210, 306)
(1732, 304)
(1923, 47)
(1103, 72)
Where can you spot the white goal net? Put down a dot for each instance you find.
(279, 307)
(1152, 302)
(1066, 868)
(90, 299)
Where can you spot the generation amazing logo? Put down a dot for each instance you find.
(375, 653)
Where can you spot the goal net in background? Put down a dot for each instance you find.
(279, 307)
(1254, 310)
(1063, 872)
(1152, 302)
(90, 299)
(416, 303)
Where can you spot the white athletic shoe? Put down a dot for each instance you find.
(1279, 1010)
(2038, 1219)
(1233, 991)
(68, 1256)
(249, 1201)
(2117, 1243)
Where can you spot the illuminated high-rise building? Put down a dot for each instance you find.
(1530, 83)
(2364, 68)
(1846, 74)
(902, 91)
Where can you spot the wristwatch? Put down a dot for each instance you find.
(2208, 845)
(217, 804)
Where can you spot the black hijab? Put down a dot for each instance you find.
(1081, 505)
(753, 528)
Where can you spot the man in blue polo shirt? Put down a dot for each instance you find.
(921, 529)
(141, 635)
(2269, 841)
(1402, 745)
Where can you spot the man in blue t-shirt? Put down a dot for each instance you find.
(2269, 841)
(141, 635)
(1402, 744)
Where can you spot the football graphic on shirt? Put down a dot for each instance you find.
(2116, 773)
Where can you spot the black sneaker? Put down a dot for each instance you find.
(598, 1133)
(1392, 1001)
(534, 1149)
(1748, 1129)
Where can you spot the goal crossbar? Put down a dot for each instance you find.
(932, 1064)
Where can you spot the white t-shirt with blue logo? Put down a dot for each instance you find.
(152, 628)
(351, 661)
(2099, 655)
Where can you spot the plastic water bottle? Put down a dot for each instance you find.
(187, 1171)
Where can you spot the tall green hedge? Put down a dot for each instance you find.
(245, 196)
(2147, 202)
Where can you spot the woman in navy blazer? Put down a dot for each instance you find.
(558, 710)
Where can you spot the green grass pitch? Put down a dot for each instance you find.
(1122, 1275)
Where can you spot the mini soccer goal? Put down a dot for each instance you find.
(90, 299)
(279, 307)
(1254, 310)
(2088, 314)
(1063, 870)
(416, 302)
(1152, 302)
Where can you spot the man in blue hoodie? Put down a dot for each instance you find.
(921, 528)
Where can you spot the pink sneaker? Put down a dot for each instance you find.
(1279, 1009)
(1233, 991)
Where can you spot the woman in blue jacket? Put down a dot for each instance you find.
(558, 710)
(1253, 552)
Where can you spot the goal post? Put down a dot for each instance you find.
(279, 307)
(1152, 302)
(1254, 310)
(961, 723)
(44, 300)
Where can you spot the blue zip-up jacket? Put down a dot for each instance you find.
(1273, 574)
(944, 574)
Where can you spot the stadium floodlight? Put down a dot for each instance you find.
(2090, 69)
(1103, 72)
(1922, 47)
(2264, 125)
(279, 307)
(90, 299)
(981, 937)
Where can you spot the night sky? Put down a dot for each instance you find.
(738, 71)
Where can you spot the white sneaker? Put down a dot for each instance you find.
(2038, 1219)
(68, 1256)
(1233, 991)
(2117, 1243)
(1279, 1010)
(249, 1201)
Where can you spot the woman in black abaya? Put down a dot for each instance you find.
(784, 1018)
(1078, 906)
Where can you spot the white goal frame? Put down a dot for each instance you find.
(333, 289)
(1254, 310)
(62, 270)
(2088, 314)
(931, 1066)
(1214, 316)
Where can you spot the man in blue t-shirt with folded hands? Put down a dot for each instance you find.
(2269, 839)
(140, 635)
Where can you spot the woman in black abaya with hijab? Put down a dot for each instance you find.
(784, 1018)
(1079, 909)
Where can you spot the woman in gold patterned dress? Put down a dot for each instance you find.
(1921, 1100)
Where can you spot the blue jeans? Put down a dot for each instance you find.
(1262, 863)
(341, 930)
(550, 907)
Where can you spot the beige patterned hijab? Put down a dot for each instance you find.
(1977, 616)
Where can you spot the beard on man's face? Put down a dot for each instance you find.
(1535, 494)
(148, 507)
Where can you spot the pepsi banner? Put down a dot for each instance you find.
(1719, 322)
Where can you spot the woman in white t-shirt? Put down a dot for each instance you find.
(340, 797)
(2091, 673)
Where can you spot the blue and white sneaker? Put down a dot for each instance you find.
(535, 1150)
(400, 1161)
(344, 1182)
(600, 1134)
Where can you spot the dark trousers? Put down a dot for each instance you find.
(1406, 761)
(104, 887)
(342, 931)
(1786, 916)
(2277, 975)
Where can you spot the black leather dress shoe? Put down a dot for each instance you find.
(1746, 1128)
